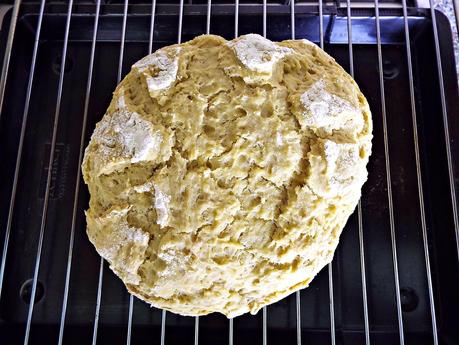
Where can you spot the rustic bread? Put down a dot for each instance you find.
(223, 172)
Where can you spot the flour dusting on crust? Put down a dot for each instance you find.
(160, 69)
(162, 201)
(126, 135)
(326, 111)
(334, 169)
(121, 244)
(258, 53)
(147, 187)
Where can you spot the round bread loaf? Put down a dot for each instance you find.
(223, 172)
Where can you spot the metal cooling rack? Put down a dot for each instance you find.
(265, 8)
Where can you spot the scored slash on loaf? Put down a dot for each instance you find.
(223, 172)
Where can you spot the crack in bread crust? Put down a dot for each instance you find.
(249, 179)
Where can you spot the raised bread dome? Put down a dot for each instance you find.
(223, 172)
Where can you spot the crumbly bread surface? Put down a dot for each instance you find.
(223, 172)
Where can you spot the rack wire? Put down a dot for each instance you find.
(389, 180)
(265, 5)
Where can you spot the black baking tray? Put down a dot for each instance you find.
(315, 316)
